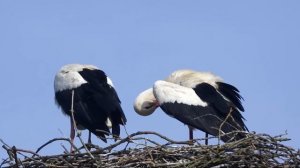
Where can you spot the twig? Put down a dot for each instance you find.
(25, 151)
(14, 150)
(75, 126)
(220, 128)
(53, 140)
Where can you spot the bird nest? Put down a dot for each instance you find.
(256, 150)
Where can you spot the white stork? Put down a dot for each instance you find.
(96, 104)
(199, 99)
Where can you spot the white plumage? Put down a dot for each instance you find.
(190, 78)
(166, 92)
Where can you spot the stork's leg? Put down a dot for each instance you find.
(191, 135)
(206, 138)
(89, 141)
(90, 138)
(72, 134)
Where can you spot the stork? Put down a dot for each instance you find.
(95, 102)
(200, 100)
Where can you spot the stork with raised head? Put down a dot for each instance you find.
(200, 100)
(96, 104)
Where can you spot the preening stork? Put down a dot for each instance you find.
(96, 104)
(198, 99)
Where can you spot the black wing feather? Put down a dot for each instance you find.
(205, 119)
(232, 93)
(106, 97)
(209, 94)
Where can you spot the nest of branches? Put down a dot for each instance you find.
(256, 150)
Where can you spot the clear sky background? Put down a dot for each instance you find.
(252, 45)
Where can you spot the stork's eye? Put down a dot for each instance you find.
(148, 105)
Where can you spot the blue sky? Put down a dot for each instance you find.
(252, 45)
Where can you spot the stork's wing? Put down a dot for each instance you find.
(103, 98)
(231, 93)
(210, 95)
(205, 119)
(222, 106)
(201, 112)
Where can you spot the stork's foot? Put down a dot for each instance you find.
(72, 150)
(89, 146)
(191, 142)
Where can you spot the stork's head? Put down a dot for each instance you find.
(145, 103)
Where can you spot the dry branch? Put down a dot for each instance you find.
(256, 150)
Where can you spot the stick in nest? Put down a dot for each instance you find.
(75, 127)
(255, 150)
